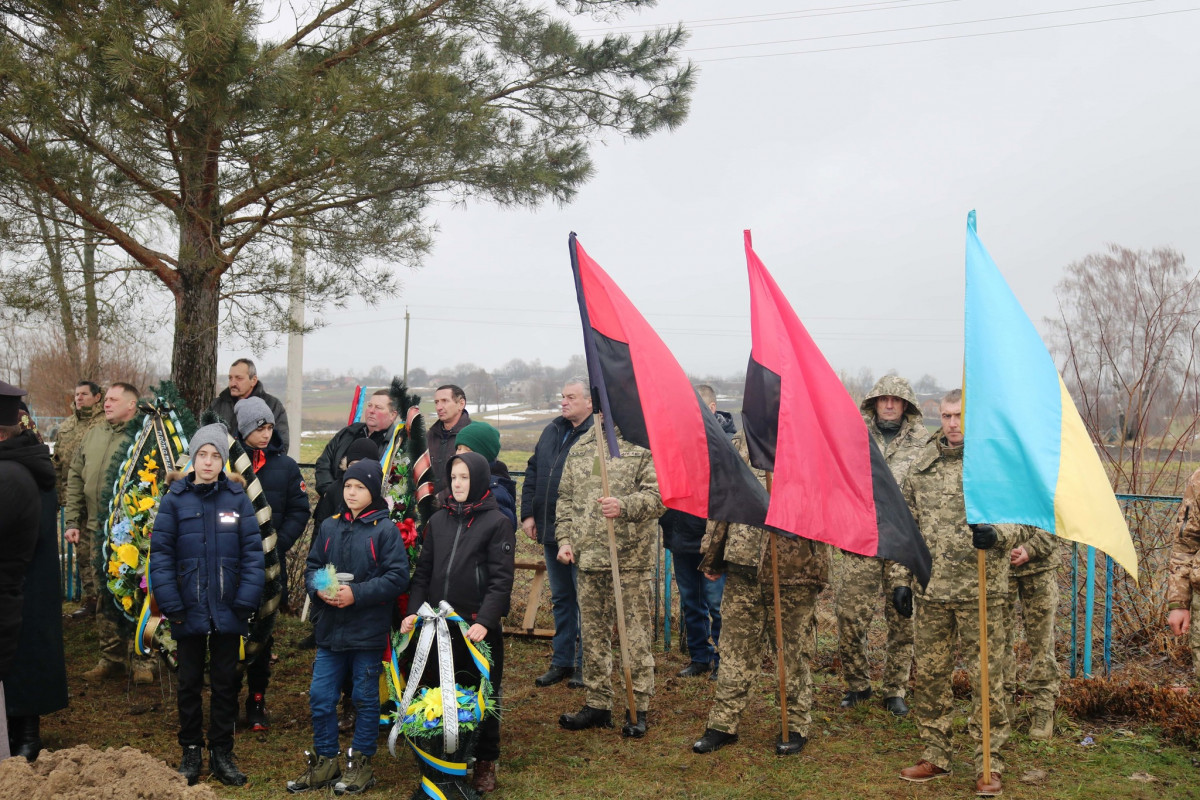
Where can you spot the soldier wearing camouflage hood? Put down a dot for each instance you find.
(1183, 581)
(947, 609)
(894, 420)
(742, 553)
(1034, 581)
(634, 505)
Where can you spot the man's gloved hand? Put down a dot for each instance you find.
(902, 601)
(983, 536)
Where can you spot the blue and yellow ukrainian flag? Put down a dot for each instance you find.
(1028, 457)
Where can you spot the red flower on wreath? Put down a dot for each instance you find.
(408, 532)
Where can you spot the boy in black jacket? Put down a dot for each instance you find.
(352, 629)
(283, 488)
(467, 560)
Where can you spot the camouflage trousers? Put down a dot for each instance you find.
(937, 627)
(89, 576)
(748, 609)
(861, 581)
(598, 616)
(1038, 594)
(1194, 634)
(113, 646)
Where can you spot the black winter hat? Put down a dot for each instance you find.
(360, 449)
(369, 474)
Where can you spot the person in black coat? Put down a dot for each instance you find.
(243, 384)
(26, 498)
(283, 487)
(380, 417)
(207, 572)
(467, 560)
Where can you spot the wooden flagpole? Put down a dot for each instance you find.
(782, 667)
(631, 703)
(984, 683)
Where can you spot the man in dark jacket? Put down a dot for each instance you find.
(699, 599)
(243, 383)
(539, 499)
(284, 490)
(380, 416)
(26, 483)
(450, 402)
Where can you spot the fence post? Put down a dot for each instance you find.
(1089, 611)
(1074, 606)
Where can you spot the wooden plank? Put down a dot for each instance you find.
(534, 600)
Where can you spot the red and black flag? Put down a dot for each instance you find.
(644, 392)
(831, 482)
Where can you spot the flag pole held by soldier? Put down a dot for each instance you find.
(783, 747)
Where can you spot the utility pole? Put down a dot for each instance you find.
(405, 378)
(295, 360)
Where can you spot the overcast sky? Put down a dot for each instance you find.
(855, 168)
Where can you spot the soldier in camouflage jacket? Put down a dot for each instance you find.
(894, 420)
(947, 609)
(634, 505)
(743, 554)
(1183, 582)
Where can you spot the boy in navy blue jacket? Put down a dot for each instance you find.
(207, 574)
(283, 488)
(352, 629)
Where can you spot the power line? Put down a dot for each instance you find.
(948, 38)
(779, 16)
(919, 27)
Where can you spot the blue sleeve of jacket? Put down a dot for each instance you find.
(163, 560)
(392, 581)
(253, 572)
(295, 512)
(504, 499)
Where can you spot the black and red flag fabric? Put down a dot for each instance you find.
(831, 482)
(644, 392)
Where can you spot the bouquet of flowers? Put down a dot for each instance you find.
(128, 548)
(425, 714)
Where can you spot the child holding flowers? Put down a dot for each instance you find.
(207, 574)
(467, 560)
(366, 552)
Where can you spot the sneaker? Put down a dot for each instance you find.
(634, 730)
(223, 767)
(554, 675)
(485, 777)
(256, 712)
(988, 788)
(922, 771)
(713, 740)
(1042, 725)
(104, 669)
(792, 747)
(852, 698)
(695, 669)
(320, 772)
(586, 717)
(358, 776)
(896, 705)
(191, 763)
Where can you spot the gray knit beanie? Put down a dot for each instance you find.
(252, 413)
(217, 435)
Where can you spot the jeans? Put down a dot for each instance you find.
(222, 649)
(329, 670)
(700, 600)
(565, 602)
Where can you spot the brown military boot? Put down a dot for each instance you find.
(1041, 726)
(104, 669)
(988, 787)
(922, 771)
(143, 674)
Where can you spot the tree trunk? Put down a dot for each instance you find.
(52, 240)
(91, 307)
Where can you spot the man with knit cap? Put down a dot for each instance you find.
(85, 485)
(283, 488)
(479, 437)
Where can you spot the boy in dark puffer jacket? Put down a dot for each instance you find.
(352, 629)
(207, 574)
(467, 560)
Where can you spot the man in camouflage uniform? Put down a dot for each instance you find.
(85, 485)
(1183, 582)
(894, 419)
(88, 412)
(1034, 581)
(947, 609)
(634, 506)
(743, 554)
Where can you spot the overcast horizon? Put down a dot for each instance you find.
(855, 168)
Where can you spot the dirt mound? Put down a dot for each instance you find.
(81, 773)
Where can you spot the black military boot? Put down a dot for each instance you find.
(634, 730)
(191, 763)
(223, 767)
(27, 739)
(792, 746)
(586, 717)
(896, 705)
(713, 740)
(851, 699)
